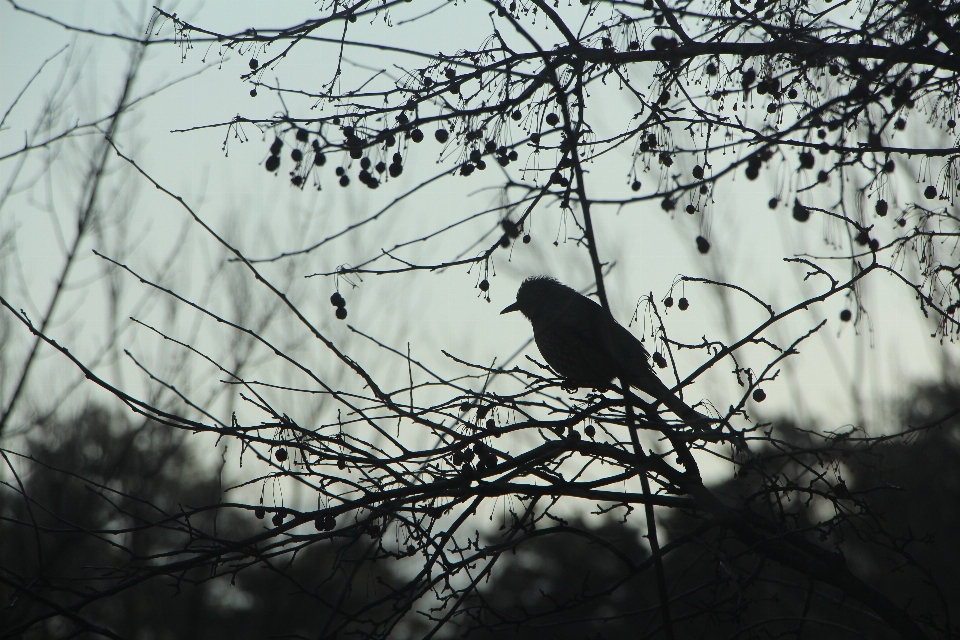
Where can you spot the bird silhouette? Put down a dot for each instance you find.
(576, 339)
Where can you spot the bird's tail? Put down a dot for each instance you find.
(691, 417)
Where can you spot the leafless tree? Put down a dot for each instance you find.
(411, 467)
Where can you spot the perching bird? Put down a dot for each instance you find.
(574, 337)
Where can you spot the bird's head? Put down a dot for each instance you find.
(538, 295)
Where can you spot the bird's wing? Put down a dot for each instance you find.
(618, 352)
(630, 349)
(567, 337)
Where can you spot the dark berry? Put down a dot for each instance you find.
(381, 167)
(792, 93)
(276, 146)
(636, 185)
(272, 163)
(806, 160)
(683, 304)
(841, 491)
(691, 209)
(590, 430)
(703, 245)
(341, 313)
(253, 93)
(516, 115)
(773, 203)
(441, 135)
(526, 238)
(254, 64)
(259, 512)
(341, 463)
(845, 315)
(659, 360)
(302, 135)
(337, 300)
(277, 519)
(823, 176)
(281, 454)
(484, 285)
(552, 119)
(759, 395)
(319, 159)
(417, 136)
(881, 208)
(930, 192)
(698, 172)
(668, 301)
(296, 155)
(800, 212)
(344, 181)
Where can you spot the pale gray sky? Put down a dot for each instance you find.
(264, 215)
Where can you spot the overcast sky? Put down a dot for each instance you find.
(264, 216)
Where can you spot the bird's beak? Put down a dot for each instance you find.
(513, 307)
